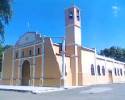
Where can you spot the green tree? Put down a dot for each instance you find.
(5, 16)
(114, 52)
(6, 47)
(1, 52)
(2, 49)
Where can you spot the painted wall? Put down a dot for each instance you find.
(89, 58)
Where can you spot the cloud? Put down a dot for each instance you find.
(115, 7)
(115, 10)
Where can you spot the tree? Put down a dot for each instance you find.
(1, 52)
(2, 49)
(114, 52)
(5, 16)
(6, 47)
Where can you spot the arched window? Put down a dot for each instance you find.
(65, 70)
(121, 72)
(92, 70)
(71, 15)
(16, 55)
(118, 72)
(22, 54)
(115, 71)
(30, 52)
(78, 18)
(98, 69)
(103, 70)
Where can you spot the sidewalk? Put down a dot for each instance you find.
(36, 90)
(32, 89)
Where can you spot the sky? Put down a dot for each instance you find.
(103, 21)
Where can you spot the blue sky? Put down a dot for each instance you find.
(103, 21)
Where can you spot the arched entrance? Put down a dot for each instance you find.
(25, 73)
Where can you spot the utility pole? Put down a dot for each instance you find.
(63, 63)
(63, 73)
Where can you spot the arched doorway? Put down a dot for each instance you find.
(25, 73)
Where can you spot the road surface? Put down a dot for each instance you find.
(98, 92)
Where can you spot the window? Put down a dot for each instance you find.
(65, 70)
(22, 53)
(103, 70)
(60, 47)
(118, 72)
(92, 70)
(121, 72)
(78, 18)
(16, 55)
(98, 69)
(30, 52)
(71, 15)
(115, 71)
(38, 51)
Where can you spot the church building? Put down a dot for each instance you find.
(36, 60)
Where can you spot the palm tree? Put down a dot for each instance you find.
(5, 16)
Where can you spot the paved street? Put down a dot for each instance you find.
(100, 92)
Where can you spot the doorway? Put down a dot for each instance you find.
(25, 73)
(110, 76)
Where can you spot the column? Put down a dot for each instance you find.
(42, 65)
(13, 65)
(19, 68)
(63, 63)
(34, 64)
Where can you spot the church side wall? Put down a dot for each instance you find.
(88, 58)
(102, 78)
(119, 78)
(106, 77)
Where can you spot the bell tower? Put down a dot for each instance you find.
(73, 42)
(73, 26)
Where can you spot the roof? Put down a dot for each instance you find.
(28, 38)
